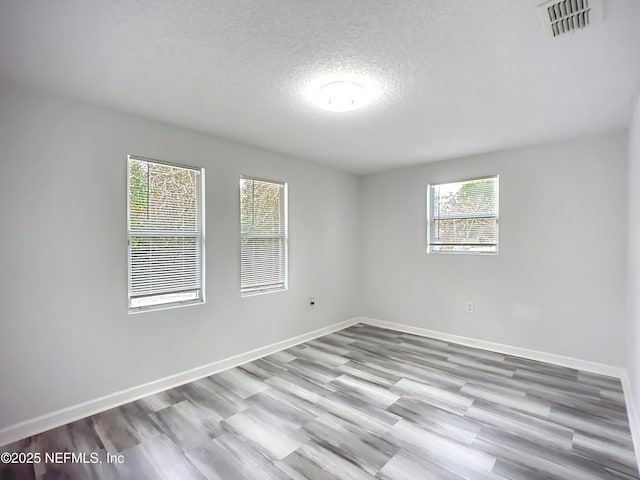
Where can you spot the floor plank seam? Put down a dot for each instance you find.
(361, 403)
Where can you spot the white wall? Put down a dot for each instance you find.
(633, 337)
(558, 283)
(356, 244)
(65, 333)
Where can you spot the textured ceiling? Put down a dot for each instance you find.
(451, 78)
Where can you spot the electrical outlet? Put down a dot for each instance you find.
(468, 307)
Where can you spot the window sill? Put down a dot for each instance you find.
(262, 292)
(164, 306)
(436, 252)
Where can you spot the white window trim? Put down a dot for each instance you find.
(201, 202)
(431, 217)
(284, 211)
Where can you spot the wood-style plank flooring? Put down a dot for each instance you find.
(362, 403)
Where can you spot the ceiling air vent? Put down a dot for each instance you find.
(565, 16)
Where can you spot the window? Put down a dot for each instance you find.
(463, 216)
(166, 234)
(263, 236)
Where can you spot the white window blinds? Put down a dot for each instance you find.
(263, 236)
(165, 234)
(463, 216)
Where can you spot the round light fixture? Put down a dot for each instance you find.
(342, 96)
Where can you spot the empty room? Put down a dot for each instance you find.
(318, 239)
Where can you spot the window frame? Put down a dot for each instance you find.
(200, 208)
(284, 215)
(431, 217)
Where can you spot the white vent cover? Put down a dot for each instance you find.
(565, 16)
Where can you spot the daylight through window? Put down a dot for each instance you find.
(166, 234)
(263, 236)
(463, 216)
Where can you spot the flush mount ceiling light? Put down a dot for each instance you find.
(342, 96)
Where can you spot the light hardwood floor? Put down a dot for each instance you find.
(361, 403)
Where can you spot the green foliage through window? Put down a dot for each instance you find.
(263, 243)
(165, 234)
(463, 216)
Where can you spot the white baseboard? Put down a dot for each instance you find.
(578, 364)
(632, 414)
(569, 362)
(55, 419)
